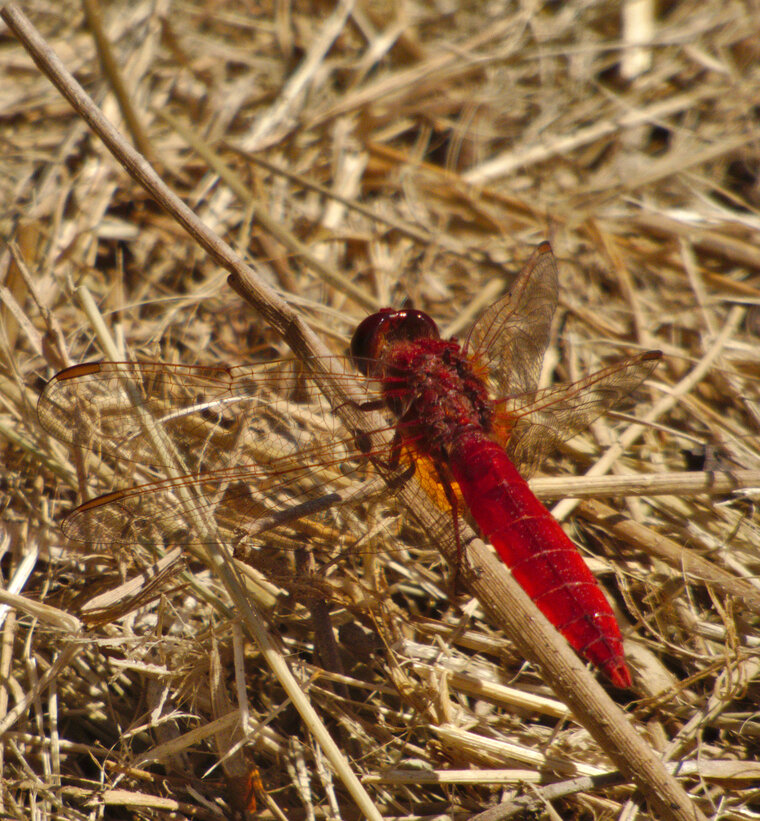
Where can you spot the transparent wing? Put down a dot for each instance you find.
(257, 450)
(128, 409)
(240, 445)
(509, 339)
(533, 425)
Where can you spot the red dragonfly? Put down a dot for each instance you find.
(252, 448)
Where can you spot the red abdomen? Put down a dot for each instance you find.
(543, 560)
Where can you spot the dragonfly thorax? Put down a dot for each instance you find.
(433, 389)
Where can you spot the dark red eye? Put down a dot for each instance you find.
(386, 326)
(365, 338)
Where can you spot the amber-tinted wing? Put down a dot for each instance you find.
(509, 338)
(239, 445)
(543, 419)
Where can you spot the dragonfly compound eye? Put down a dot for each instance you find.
(386, 327)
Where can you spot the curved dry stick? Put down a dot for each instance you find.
(497, 591)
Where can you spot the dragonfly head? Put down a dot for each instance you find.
(386, 328)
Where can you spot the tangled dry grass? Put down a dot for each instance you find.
(359, 154)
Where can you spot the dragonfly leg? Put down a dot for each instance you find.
(396, 443)
(390, 465)
(393, 463)
(451, 498)
(371, 405)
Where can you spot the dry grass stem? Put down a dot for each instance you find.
(333, 159)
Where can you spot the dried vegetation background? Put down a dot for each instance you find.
(447, 143)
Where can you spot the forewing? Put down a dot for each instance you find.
(239, 445)
(213, 416)
(541, 420)
(509, 339)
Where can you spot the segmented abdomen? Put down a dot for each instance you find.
(542, 558)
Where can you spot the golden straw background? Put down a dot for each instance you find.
(355, 155)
